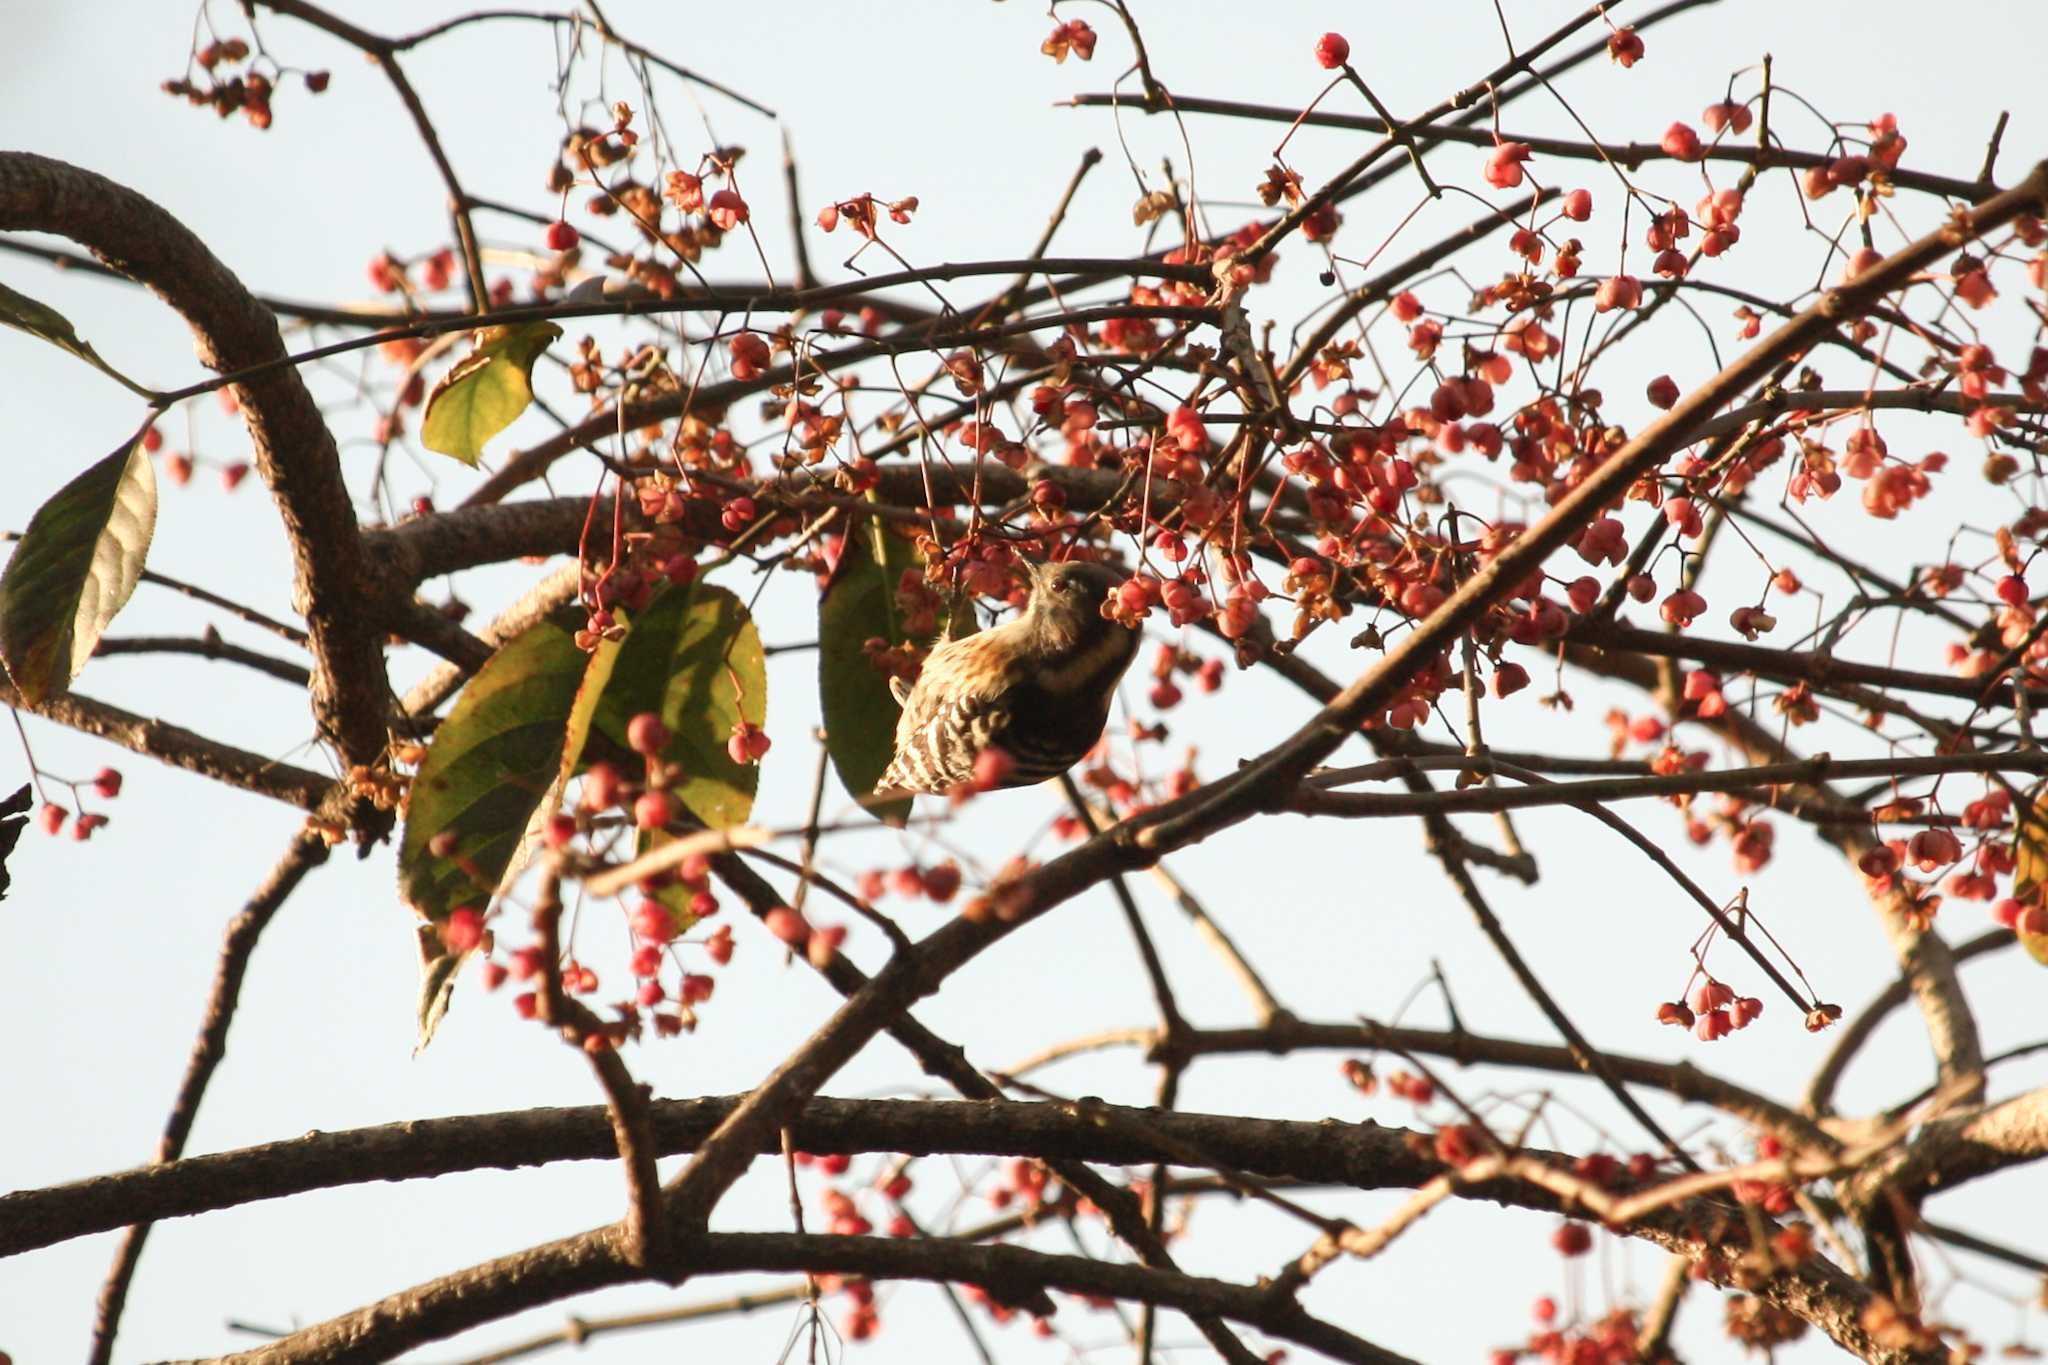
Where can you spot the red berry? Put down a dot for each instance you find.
(600, 787)
(787, 925)
(53, 817)
(646, 734)
(1682, 142)
(941, 883)
(653, 923)
(1663, 391)
(2012, 590)
(726, 210)
(107, 783)
(463, 929)
(1573, 1239)
(1578, 205)
(1332, 51)
(562, 236)
(653, 810)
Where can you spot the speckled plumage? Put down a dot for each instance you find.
(1038, 688)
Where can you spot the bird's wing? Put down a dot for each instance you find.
(959, 702)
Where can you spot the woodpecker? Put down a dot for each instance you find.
(1036, 688)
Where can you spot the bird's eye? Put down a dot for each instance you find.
(1070, 586)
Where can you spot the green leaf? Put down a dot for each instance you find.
(41, 320)
(485, 391)
(858, 605)
(491, 764)
(681, 659)
(75, 567)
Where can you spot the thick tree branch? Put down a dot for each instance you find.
(293, 450)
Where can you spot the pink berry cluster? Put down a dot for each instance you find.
(1711, 1010)
(105, 784)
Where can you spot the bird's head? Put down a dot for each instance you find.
(1066, 600)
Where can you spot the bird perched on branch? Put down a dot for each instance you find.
(1033, 693)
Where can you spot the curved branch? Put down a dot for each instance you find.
(294, 451)
(1819, 1100)
(1010, 1274)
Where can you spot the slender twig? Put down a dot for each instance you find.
(1819, 1099)
(305, 853)
(207, 646)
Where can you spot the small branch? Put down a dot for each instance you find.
(1630, 155)
(1819, 1100)
(235, 609)
(626, 1100)
(305, 853)
(181, 748)
(1762, 781)
(384, 53)
(207, 646)
(1210, 932)
(1653, 1337)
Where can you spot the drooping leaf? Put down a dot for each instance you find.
(41, 320)
(491, 763)
(694, 658)
(13, 819)
(485, 391)
(75, 567)
(859, 605)
(438, 970)
(496, 746)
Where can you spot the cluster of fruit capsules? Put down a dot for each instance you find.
(1712, 1010)
(106, 784)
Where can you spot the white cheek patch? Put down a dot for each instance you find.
(1112, 650)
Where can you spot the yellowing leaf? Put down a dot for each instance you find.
(486, 390)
